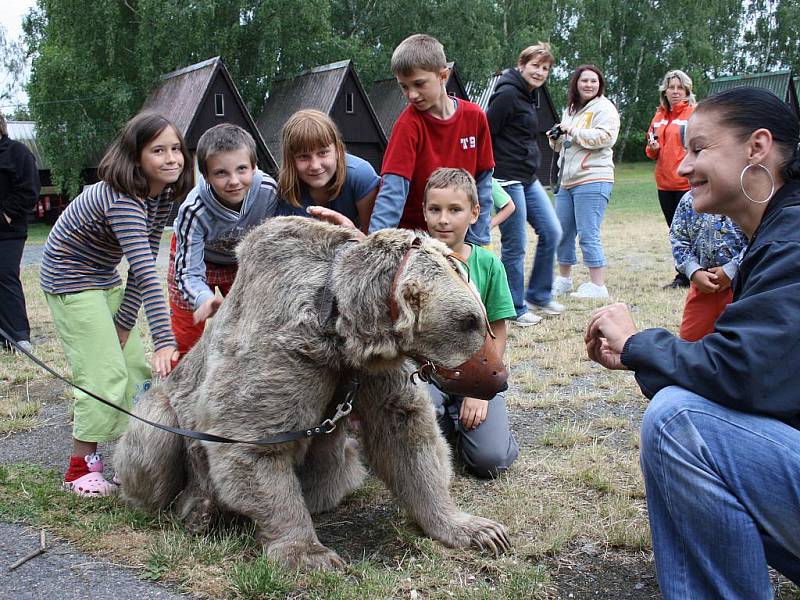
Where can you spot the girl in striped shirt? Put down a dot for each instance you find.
(123, 215)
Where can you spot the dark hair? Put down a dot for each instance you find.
(746, 109)
(574, 102)
(119, 167)
(225, 137)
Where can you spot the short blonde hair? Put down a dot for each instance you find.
(452, 179)
(306, 131)
(686, 82)
(540, 50)
(419, 51)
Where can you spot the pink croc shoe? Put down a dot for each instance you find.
(91, 485)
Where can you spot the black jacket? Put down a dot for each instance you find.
(750, 361)
(514, 125)
(19, 187)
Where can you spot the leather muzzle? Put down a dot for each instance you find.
(483, 375)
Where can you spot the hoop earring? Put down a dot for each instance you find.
(771, 179)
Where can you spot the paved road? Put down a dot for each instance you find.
(65, 573)
(32, 253)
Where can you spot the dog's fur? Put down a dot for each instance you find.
(269, 362)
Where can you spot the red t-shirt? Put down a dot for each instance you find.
(420, 144)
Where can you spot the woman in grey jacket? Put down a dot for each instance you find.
(587, 133)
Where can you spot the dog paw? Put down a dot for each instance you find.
(305, 556)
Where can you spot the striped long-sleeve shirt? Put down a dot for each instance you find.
(88, 241)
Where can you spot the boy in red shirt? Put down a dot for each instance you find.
(435, 130)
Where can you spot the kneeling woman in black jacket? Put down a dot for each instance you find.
(720, 448)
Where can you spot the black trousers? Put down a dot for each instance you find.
(669, 200)
(13, 315)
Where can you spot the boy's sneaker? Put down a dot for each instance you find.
(25, 345)
(591, 291)
(527, 319)
(551, 309)
(561, 285)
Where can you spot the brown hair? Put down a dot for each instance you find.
(3, 127)
(225, 137)
(574, 102)
(419, 51)
(119, 167)
(306, 131)
(540, 50)
(452, 179)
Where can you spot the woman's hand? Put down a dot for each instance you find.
(473, 412)
(608, 329)
(207, 309)
(164, 360)
(335, 218)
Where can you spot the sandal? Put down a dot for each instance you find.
(92, 485)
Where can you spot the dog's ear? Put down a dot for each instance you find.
(412, 295)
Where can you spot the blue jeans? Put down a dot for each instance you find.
(581, 210)
(532, 206)
(723, 497)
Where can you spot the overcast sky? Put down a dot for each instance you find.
(11, 13)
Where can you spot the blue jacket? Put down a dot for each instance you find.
(749, 363)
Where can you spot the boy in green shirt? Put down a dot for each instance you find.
(486, 444)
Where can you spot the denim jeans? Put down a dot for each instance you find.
(723, 497)
(581, 210)
(532, 206)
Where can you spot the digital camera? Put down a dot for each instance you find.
(555, 132)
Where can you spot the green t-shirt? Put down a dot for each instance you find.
(489, 276)
(500, 197)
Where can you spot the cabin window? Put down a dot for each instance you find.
(219, 105)
(349, 103)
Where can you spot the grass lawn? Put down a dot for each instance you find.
(573, 503)
(37, 233)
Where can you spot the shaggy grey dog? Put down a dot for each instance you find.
(269, 363)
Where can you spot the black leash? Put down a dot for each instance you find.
(327, 426)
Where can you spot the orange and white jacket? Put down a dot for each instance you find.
(589, 156)
(670, 128)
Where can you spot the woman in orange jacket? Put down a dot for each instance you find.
(665, 145)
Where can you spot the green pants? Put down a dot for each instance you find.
(85, 325)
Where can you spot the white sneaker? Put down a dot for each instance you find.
(591, 291)
(561, 285)
(551, 309)
(527, 319)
